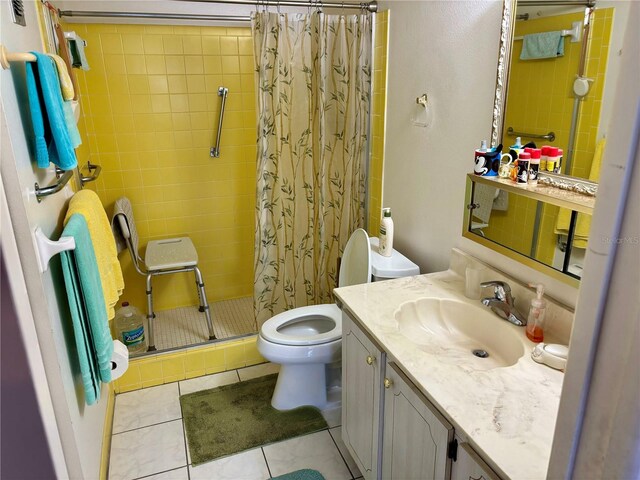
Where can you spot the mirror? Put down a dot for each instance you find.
(562, 101)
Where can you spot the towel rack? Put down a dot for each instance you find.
(7, 57)
(56, 187)
(574, 32)
(48, 248)
(549, 136)
(96, 169)
(222, 92)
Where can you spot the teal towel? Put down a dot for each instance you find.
(72, 126)
(542, 45)
(45, 95)
(88, 313)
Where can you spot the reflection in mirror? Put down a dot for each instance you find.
(510, 220)
(563, 95)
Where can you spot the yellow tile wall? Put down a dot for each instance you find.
(376, 163)
(540, 100)
(163, 368)
(150, 110)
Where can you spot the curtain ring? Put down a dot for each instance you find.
(278, 7)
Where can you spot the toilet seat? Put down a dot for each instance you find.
(312, 325)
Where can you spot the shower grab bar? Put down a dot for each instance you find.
(222, 92)
(549, 136)
(56, 187)
(96, 169)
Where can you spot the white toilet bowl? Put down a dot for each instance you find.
(307, 341)
(303, 341)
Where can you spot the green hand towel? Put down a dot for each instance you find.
(542, 45)
(88, 313)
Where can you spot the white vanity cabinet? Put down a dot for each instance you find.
(390, 428)
(362, 363)
(416, 436)
(469, 466)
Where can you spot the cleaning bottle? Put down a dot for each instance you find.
(130, 328)
(516, 148)
(386, 233)
(535, 321)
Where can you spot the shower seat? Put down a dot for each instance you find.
(162, 257)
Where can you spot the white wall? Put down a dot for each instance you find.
(80, 427)
(449, 50)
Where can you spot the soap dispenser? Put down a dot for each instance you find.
(535, 321)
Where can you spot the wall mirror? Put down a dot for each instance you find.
(563, 101)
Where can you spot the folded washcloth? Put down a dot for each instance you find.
(123, 207)
(90, 325)
(87, 203)
(51, 129)
(68, 94)
(542, 45)
(66, 85)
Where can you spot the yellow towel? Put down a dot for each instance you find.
(66, 85)
(583, 223)
(87, 204)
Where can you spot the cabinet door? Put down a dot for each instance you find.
(469, 466)
(361, 386)
(416, 435)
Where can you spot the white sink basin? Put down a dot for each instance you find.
(460, 332)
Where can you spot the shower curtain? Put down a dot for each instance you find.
(314, 79)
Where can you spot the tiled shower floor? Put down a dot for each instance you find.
(149, 439)
(186, 326)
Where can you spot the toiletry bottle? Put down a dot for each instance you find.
(534, 166)
(535, 321)
(523, 168)
(552, 159)
(516, 147)
(543, 157)
(558, 168)
(386, 233)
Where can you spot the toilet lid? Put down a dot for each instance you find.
(310, 325)
(355, 266)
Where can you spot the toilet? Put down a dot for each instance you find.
(306, 341)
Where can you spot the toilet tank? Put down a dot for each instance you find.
(395, 266)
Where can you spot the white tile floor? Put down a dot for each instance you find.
(149, 440)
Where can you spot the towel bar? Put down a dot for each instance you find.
(48, 248)
(96, 169)
(549, 136)
(222, 92)
(6, 57)
(56, 187)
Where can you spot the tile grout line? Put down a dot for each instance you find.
(341, 455)
(146, 426)
(184, 436)
(264, 455)
(158, 473)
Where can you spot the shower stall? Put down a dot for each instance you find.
(151, 116)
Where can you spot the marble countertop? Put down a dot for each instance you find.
(507, 414)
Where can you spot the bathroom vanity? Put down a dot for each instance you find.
(418, 404)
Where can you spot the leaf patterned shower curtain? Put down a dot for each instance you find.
(314, 79)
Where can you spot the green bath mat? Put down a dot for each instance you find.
(301, 475)
(237, 417)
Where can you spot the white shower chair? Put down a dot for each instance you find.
(163, 257)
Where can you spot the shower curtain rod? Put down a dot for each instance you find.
(555, 3)
(159, 16)
(369, 6)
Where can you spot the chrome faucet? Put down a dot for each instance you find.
(502, 303)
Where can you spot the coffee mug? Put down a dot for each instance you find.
(487, 163)
(505, 168)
